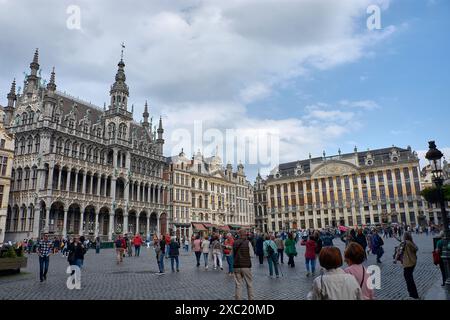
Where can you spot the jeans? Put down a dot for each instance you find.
(43, 266)
(261, 259)
(310, 265)
(161, 263)
(410, 284)
(79, 263)
(97, 249)
(205, 257)
(442, 267)
(186, 247)
(281, 254)
(380, 252)
(137, 250)
(198, 254)
(217, 256)
(273, 260)
(172, 259)
(230, 263)
(167, 250)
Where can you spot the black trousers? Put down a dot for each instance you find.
(281, 254)
(261, 259)
(291, 260)
(442, 267)
(410, 284)
(198, 254)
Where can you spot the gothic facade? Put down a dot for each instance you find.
(81, 169)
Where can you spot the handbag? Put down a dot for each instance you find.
(323, 294)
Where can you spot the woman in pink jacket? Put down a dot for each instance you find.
(310, 256)
(354, 257)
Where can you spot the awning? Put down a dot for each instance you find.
(234, 226)
(199, 227)
(208, 225)
(224, 228)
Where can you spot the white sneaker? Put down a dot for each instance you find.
(206, 267)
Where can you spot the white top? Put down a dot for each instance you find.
(205, 246)
(337, 285)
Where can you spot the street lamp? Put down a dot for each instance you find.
(434, 156)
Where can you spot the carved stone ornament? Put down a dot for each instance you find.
(334, 169)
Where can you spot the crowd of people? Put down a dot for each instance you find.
(237, 250)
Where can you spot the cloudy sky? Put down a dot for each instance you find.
(307, 71)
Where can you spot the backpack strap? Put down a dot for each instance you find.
(363, 277)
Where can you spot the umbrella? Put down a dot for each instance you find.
(342, 228)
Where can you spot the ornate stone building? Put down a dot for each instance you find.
(81, 169)
(6, 163)
(260, 201)
(346, 189)
(207, 197)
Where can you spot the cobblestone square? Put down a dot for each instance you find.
(136, 278)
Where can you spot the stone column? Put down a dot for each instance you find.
(50, 177)
(69, 174)
(83, 188)
(59, 179)
(36, 222)
(147, 229)
(47, 219)
(158, 231)
(99, 182)
(125, 222)
(111, 226)
(91, 187)
(81, 231)
(96, 226)
(65, 223)
(76, 181)
(153, 194)
(126, 190)
(137, 222)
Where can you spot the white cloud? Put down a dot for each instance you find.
(197, 59)
(362, 104)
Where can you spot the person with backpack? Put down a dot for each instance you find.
(290, 250)
(354, 257)
(174, 253)
(205, 250)
(270, 251)
(310, 256)
(217, 252)
(280, 245)
(120, 248)
(377, 245)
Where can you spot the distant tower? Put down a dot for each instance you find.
(9, 109)
(33, 78)
(160, 140)
(50, 100)
(119, 92)
(145, 115)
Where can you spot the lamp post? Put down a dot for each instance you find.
(434, 156)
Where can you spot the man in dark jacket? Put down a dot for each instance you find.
(259, 248)
(361, 239)
(242, 254)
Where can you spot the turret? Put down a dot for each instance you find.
(9, 109)
(160, 140)
(51, 86)
(145, 116)
(33, 79)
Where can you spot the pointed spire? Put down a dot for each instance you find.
(34, 65)
(160, 127)
(12, 94)
(145, 115)
(52, 85)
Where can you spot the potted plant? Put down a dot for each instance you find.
(12, 259)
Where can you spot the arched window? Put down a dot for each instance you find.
(31, 117)
(111, 131)
(24, 118)
(55, 114)
(74, 150)
(89, 154)
(122, 131)
(82, 151)
(37, 143)
(22, 146)
(67, 148)
(95, 156)
(59, 145)
(30, 144)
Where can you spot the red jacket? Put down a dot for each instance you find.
(167, 239)
(137, 241)
(310, 252)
